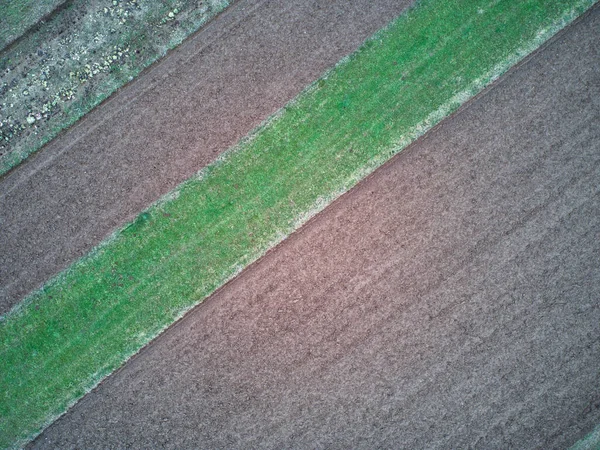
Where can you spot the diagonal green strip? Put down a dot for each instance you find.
(590, 442)
(85, 323)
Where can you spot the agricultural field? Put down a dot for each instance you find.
(69, 64)
(65, 338)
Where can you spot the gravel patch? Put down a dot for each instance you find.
(68, 65)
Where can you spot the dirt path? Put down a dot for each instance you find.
(450, 300)
(163, 128)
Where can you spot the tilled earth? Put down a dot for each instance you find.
(450, 300)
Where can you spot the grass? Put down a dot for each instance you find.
(590, 442)
(86, 51)
(66, 337)
(19, 15)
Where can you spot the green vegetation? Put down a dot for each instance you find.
(19, 15)
(86, 51)
(590, 442)
(84, 324)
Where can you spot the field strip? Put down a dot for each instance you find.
(68, 65)
(64, 339)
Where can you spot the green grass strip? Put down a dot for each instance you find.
(85, 323)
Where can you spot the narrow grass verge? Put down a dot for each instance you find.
(590, 442)
(19, 15)
(66, 337)
(86, 51)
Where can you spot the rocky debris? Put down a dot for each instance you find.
(71, 63)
